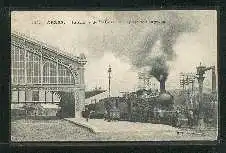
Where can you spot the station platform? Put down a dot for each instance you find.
(103, 126)
(125, 130)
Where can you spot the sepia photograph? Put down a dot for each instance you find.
(148, 75)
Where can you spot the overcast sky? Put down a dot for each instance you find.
(115, 44)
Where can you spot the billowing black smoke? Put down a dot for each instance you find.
(145, 45)
(157, 48)
(159, 67)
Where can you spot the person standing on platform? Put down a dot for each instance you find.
(86, 114)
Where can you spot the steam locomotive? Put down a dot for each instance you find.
(155, 107)
(140, 106)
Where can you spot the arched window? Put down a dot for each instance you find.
(50, 73)
(33, 68)
(65, 76)
(17, 65)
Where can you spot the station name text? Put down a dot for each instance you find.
(99, 21)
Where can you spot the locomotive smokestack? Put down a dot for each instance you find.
(162, 84)
(213, 79)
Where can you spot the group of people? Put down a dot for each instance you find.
(189, 114)
(87, 113)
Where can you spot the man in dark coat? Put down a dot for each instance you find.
(86, 114)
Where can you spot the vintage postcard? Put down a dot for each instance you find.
(114, 75)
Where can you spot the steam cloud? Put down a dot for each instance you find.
(156, 47)
(148, 47)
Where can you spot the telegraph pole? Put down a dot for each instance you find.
(182, 81)
(109, 81)
(146, 80)
(201, 70)
(186, 80)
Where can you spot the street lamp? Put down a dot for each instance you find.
(109, 80)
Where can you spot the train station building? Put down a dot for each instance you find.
(38, 71)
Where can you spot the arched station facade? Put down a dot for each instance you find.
(37, 70)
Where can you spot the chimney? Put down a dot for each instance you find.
(213, 79)
(162, 84)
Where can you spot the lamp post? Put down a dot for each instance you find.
(109, 81)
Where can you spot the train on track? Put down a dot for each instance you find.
(140, 106)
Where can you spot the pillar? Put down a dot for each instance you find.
(45, 95)
(81, 75)
(213, 80)
(79, 94)
(200, 81)
(25, 66)
(201, 113)
(29, 95)
(82, 90)
(82, 99)
(52, 96)
(77, 103)
(25, 95)
(41, 68)
(18, 95)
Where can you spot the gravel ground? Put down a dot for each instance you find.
(61, 130)
(48, 130)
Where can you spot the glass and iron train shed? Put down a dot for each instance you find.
(38, 70)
